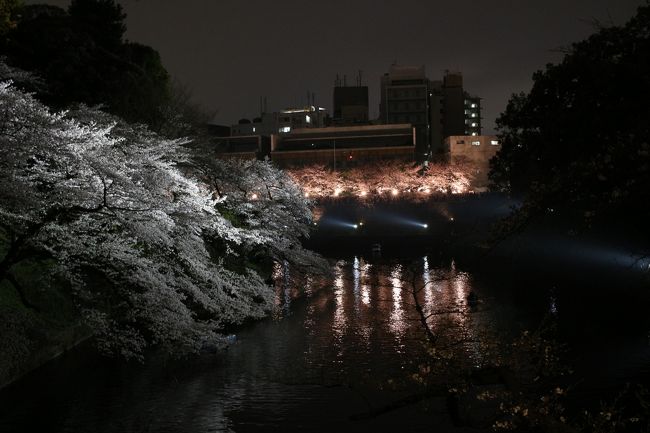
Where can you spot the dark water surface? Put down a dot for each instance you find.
(334, 353)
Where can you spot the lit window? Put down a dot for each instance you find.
(253, 129)
(474, 125)
(473, 105)
(474, 133)
(476, 143)
(494, 142)
(285, 129)
(473, 114)
(307, 119)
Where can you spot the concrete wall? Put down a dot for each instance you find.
(476, 151)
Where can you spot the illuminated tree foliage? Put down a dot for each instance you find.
(151, 255)
(578, 141)
(383, 180)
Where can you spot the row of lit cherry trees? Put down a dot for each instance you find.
(383, 180)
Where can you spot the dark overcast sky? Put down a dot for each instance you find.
(231, 52)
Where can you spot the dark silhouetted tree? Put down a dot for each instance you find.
(8, 10)
(578, 141)
(82, 57)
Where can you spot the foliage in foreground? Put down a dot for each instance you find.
(151, 255)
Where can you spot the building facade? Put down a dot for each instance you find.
(344, 145)
(404, 98)
(437, 108)
(475, 152)
(472, 114)
(282, 122)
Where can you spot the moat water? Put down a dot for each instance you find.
(331, 357)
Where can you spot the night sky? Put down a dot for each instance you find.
(231, 52)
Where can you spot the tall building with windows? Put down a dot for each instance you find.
(472, 115)
(405, 99)
(438, 109)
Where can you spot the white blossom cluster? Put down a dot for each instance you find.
(123, 221)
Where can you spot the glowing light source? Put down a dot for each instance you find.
(394, 192)
(426, 226)
(253, 196)
(363, 193)
(356, 226)
(306, 195)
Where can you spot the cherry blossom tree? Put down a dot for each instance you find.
(383, 180)
(146, 249)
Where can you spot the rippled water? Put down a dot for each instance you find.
(327, 354)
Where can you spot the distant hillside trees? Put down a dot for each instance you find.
(82, 55)
(578, 142)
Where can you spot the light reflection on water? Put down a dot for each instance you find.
(370, 308)
(397, 323)
(356, 331)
